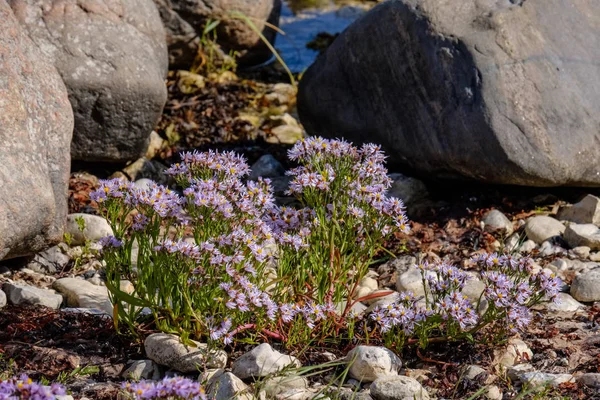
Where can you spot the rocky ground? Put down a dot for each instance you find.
(57, 314)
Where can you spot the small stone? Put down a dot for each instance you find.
(165, 349)
(494, 221)
(369, 363)
(583, 235)
(473, 371)
(398, 265)
(591, 379)
(513, 243)
(95, 228)
(514, 372)
(493, 393)
(144, 184)
(267, 166)
(280, 384)
(586, 287)
(155, 145)
(587, 211)
(421, 375)
(541, 379)
(2, 299)
(398, 388)
(49, 261)
(411, 281)
(142, 369)
(548, 248)
(263, 360)
(541, 228)
(352, 394)
(582, 252)
(411, 191)
(226, 386)
(515, 352)
(282, 94)
(296, 394)
(81, 293)
(369, 283)
(565, 303)
(20, 294)
(285, 134)
(528, 246)
(595, 256)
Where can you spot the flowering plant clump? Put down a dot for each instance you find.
(24, 387)
(346, 219)
(176, 388)
(509, 290)
(220, 257)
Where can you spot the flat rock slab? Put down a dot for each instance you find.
(81, 293)
(21, 294)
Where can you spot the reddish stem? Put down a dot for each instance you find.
(266, 332)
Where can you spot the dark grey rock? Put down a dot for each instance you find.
(49, 261)
(267, 167)
(112, 56)
(487, 90)
(36, 126)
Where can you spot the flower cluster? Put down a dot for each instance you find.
(224, 256)
(195, 165)
(169, 388)
(510, 290)
(406, 313)
(24, 387)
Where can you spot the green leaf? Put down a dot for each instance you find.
(211, 26)
(124, 297)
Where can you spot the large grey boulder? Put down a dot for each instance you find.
(494, 90)
(36, 126)
(112, 55)
(185, 20)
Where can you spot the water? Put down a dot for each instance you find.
(302, 20)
